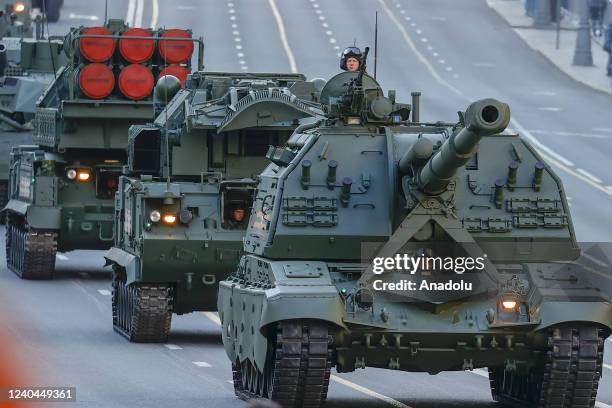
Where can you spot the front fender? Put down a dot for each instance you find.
(247, 313)
(39, 217)
(125, 260)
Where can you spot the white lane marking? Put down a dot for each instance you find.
(73, 16)
(602, 129)
(369, 392)
(213, 317)
(104, 292)
(332, 40)
(602, 405)
(283, 36)
(239, 47)
(572, 134)
(139, 13)
(424, 40)
(322, 18)
(545, 93)
(155, 13)
(449, 69)
(129, 18)
(237, 39)
(549, 109)
(589, 175)
(484, 64)
(203, 364)
(608, 366)
(172, 347)
(230, 381)
(61, 257)
(558, 160)
(539, 146)
(609, 188)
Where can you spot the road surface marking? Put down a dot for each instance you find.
(155, 13)
(559, 160)
(213, 317)
(139, 13)
(203, 364)
(545, 93)
(608, 366)
(595, 260)
(602, 405)
(369, 392)
(230, 381)
(589, 175)
(571, 134)
(129, 18)
(484, 64)
(104, 292)
(602, 129)
(61, 257)
(549, 108)
(172, 347)
(283, 36)
(73, 16)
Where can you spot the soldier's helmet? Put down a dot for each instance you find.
(349, 52)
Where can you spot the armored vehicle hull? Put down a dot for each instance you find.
(178, 235)
(62, 189)
(322, 283)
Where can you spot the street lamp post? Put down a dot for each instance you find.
(583, 55)
(542, 16)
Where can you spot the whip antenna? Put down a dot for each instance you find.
(375, 43)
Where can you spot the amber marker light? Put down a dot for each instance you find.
(19, 7)
(509, 305)
(83, 175)
(169, 218)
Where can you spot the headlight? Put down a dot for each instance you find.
(19, 7)
(71, 174)
(155, 216)
(169, 218)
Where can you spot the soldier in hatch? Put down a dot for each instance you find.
(237, 218)
(350, 59)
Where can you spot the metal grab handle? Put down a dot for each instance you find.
(101, 237)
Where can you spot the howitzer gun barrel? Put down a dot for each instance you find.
(482, 118)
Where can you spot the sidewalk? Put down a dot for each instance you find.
(544, 41)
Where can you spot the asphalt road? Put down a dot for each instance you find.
(453, 51)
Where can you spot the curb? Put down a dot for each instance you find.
(605, 91)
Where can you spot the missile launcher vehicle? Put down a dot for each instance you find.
(323, 283)
(62, 187)
(181, 204)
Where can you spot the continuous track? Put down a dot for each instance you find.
(297, 371)
(142, 313)
(30, 253)
(567, 378)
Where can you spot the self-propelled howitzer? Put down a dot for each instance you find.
(486, 222)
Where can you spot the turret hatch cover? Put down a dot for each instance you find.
(338, 86)
(265, 108)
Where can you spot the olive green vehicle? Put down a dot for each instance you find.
(27, 66)
(187, 174)
(369, 184)
(62, 187)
